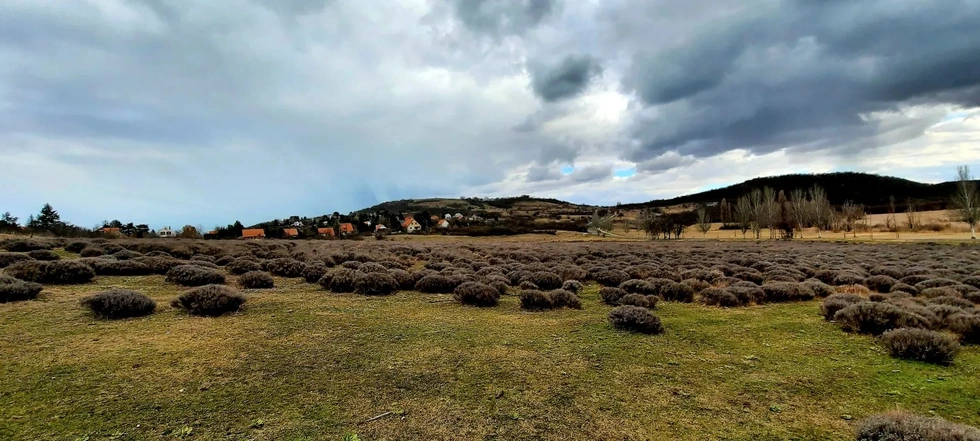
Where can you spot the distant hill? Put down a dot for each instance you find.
(873, 191)
(496, 207)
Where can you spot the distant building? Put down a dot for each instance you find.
(254, 233)
(166, 232)
(448, 216)
(327, 232)
(110, 231)
(297, 224)
(442, 224)
(458, 216)
(347, 228)
(380, 227)
(411, 225)
(290, 232)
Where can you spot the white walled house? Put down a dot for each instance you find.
(166, 232)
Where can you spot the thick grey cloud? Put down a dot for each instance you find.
(567, 79)
(502, 17)
(538, 173)
(800, 73)
(592, 173)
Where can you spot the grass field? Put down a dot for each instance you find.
(299, 363)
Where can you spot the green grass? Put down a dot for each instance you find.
(303, 364)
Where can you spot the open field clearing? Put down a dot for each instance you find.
(300, 361)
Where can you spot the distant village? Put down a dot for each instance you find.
(351, 225)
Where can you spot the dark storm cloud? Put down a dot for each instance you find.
(566, 79)
(664, 162)
(502, 17)
(537, 173)
(803, 74)
(592, 173)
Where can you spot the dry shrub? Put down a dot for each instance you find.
(203, 258)
(225, 260)
(243, 265)
(406, 280)
(193, 275)
(527, 284)
(914, 279)
(967, 325)
(372, 267)
(837, 302)
(76, 246)
(610, 295)
(338, 280)
(24, 245)
(437, 284)
(284, 267)
(634, 286)
(643, 301)
(314, 272)
(58, 272)
(544, 280)
(126, 255)
(677, 292)
(573, 286)
(159, 264)
(476, 294)
(43, 255)
(787, 292)
(935, 283)
(374, 283)
(635, 319)
(570, 272)
(904, 287)
(848, 279)
(15, 290)
(921, 345)
(860, 290)
(877, 317)
(561, 298)
(942, 313)
(91, 252)
(880, 283)
(535, 300)
(7, 259)
(943, 291)
(720, 297)
(109, 267)
(952, 301)
(209, 300)
(898, 426)
(119, 304)
(256, 280)
(699, 285)
(965, 290)
(819, 288)
(610, 277)
(973, 281)
(747, 294)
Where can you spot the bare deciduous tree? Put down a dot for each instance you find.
(820, 210)
(912, 219)
(891, 222)
(758, 212)
(725, 212)
(851, 214)
(744, 214)
(799, 210)
(966, 201)
(704, 220)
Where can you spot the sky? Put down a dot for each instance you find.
(173, 112)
